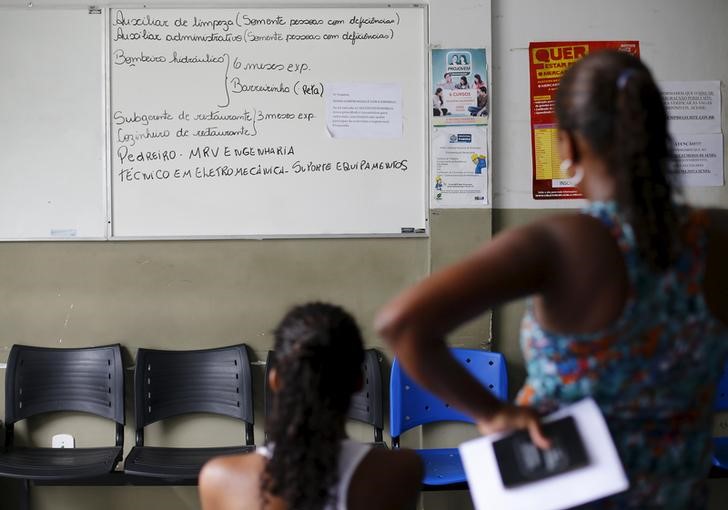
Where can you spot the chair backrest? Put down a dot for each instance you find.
(367, 405)
(173, 383)
(721, 392)
(43, 380)
(410, 405)
(267, 392)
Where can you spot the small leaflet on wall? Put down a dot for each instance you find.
(460, 86)
(699, 158)
(364, 110)
(547, 63)
(694, 116)
(459, 177)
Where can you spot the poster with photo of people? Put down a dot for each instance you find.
(460, 87)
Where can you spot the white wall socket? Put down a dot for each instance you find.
(62, 441)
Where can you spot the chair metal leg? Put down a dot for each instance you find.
(24, 496)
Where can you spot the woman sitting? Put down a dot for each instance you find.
(310, 463)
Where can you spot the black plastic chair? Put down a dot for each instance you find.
(43, 380)
(367, 405)
(174, 383)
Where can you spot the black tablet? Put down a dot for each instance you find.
(521, 462)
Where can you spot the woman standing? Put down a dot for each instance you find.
(629, 304)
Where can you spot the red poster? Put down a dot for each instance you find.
(547, 62)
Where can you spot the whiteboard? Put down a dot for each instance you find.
(219, 123)
(52, 125)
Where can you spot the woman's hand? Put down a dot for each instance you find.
(508, 417)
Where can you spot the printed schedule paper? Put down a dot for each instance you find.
(601, 476)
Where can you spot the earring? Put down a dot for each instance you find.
(565, 165)
(578, 171)
(578, 176)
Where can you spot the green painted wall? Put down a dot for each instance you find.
(197, 294)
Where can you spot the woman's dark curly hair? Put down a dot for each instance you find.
(318, 357)
(611, 99)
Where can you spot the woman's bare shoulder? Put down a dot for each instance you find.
(716, 270)
(572, 223)
(717, 232)
(387, 480)
(718, 221)
(573, 235)
(226, 481)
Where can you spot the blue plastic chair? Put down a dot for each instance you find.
(720, 444)
(411, 406)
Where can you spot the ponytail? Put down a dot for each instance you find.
(610, 99)
(643, 157)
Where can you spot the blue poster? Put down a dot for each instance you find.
(460, 87)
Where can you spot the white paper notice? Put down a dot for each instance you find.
(692, 106)
(363, 110)
(459, 177)
(700, 159)
(602, 477)
(694, 115)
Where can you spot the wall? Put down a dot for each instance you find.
(678, 41)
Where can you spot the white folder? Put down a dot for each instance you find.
(603, 476)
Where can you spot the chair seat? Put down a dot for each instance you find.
(720, 452)
(174, 463)
(442, 466)
(58, 463)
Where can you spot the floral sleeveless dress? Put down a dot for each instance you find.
(653, 372)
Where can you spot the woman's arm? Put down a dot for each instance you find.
(716, 272)
(386, 480)
(516, 263)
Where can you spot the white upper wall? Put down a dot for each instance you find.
(679, 40)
